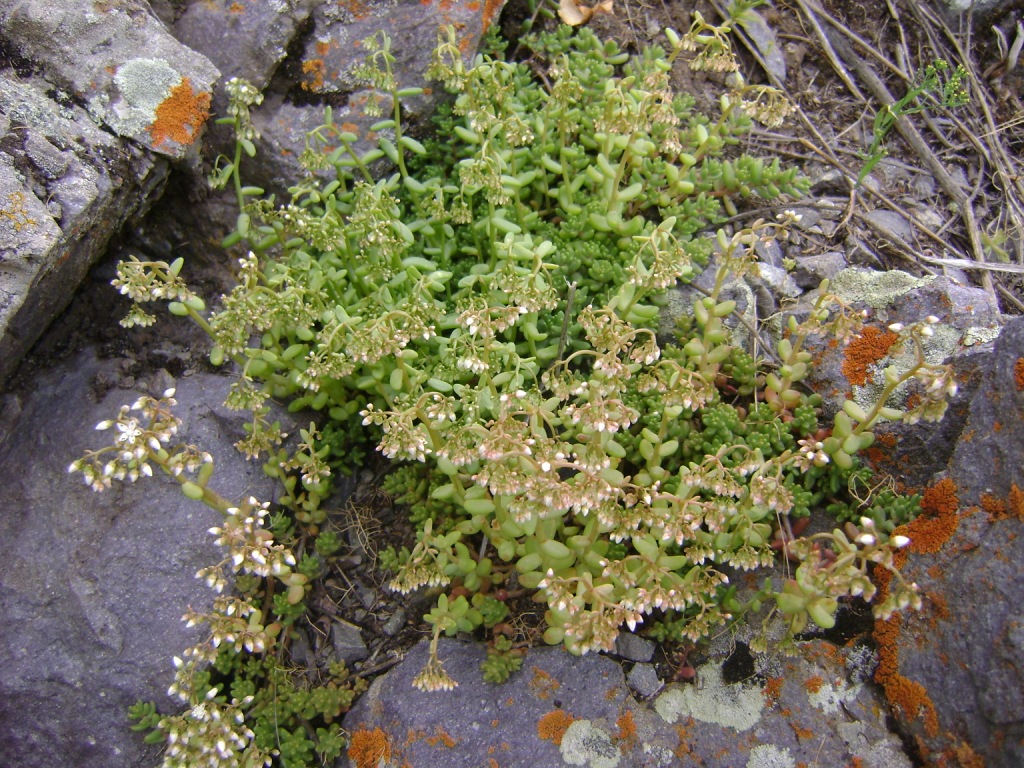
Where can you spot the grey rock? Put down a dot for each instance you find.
(809, 218)
(224, 31)
(633, 647)
(119, 60)
(560, 709)
(778, 281)
(347, 641)
(968, 321)
(767, 43)
(66, 187)
(394, 623)
(965, 313)
(93, 586)
(961, 654)
(812, 269)
(769, 254)
(367, 596)
(892, 224)
(644, 681)
(324, 73)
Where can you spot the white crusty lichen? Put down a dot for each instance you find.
(830, 698)
(733, 705)
(876, 289)
(770, 756)
(589, 745)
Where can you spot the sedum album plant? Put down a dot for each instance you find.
(490, 314)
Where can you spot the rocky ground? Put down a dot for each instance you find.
(946, 202)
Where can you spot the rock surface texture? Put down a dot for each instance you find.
(94, 585)
(119, 60)
(95, 99)
(953, 672)
(560, 710)
(325, 39)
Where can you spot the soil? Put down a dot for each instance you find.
(979, 146)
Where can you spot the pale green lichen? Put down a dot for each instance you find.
(732, 705)
(979, 335)
(770, 756)
(143, 85)
(876, 289)
(586, 744)
(661, 756)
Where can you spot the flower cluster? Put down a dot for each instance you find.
(136, 438)
(144, 281)
(212, 734)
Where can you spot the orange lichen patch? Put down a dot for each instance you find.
(1018, 373)
(491, 8)
(941, 498)
(315, 68)
(804, 734)
(492, 763)
(906, 695)
(813, 684)
(367, 749)
(411, 737)
(441, 736)
(355, 7)
(683, 748)
(880, 453)
(967, 757)
(1015, 502)
(773, 689)
(938, 520)
(856, 762)
(15, 212)
(939, 606)
(626, 736)
(543, 684)
(552, 726)
(996, 508)
(867, 349)
(180, 116)
(236, 8)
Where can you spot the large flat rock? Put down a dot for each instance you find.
(93, 585)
